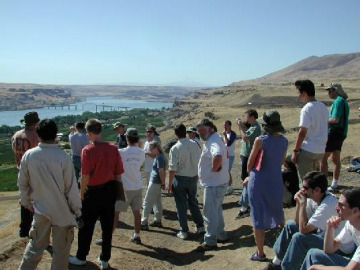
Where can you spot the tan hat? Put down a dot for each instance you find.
(271, 121)
(119, 124)
(338, 88)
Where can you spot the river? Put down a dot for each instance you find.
(92, 104)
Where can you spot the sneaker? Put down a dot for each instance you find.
(351, 168)
(135, 239)
(200, 230)
(98, 241)
(243, 214)
(144, 227)
(272, 266)
(204, 247)
(182, 235)
(156, 224)
(75, 261)
(333, 189)
(103, 265)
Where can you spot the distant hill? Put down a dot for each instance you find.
(334, 67)
(15, 96)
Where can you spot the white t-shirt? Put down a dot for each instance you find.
(350, 235)
(314, 116)
(148, 160)
(132, 157)
(212, 147)
(319, 214)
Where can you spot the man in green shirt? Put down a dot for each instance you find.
(249, 131)
(338, 127)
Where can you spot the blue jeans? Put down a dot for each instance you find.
(317, 256)
(244, 197)
(77, 165)
(213, 214)
(184, 190)
(291, 246)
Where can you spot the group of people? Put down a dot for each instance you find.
(84, 187)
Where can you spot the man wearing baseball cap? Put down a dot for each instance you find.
(22, 141)
(337, 132)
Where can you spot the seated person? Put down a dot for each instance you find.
(291, 182)
(348, 209)
(355, 165)
(314, 206)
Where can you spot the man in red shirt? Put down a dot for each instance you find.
(101, 166)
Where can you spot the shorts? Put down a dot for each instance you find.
(133, 198)
(334, 144)
(231, 162)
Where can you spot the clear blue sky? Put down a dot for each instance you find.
(211, 42)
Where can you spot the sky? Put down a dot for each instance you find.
(168, 42)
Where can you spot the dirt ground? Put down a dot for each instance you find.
(160, 248)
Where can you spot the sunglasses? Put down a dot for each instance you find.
(305, 187)
(149, 131)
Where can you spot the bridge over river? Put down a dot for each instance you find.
(88, 107)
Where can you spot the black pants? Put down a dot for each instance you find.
(97, 203)
(244, 161)
(25, 223)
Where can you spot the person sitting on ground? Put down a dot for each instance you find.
(156, 184)
(355, 165)
(348, 208)
(314, 206)
(291, 181)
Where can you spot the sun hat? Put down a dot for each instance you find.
(271, 121)
(191, 129)
(152, 128)
(118, 124)
(30, 118)
(338, 88)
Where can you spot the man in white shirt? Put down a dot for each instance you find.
(183, 175)
(314, 205)
(348, 208)
(214, 177)
(132, 157)
(313, 130)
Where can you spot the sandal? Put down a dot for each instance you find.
(258, 257)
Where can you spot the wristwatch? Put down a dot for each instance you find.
(296, 151)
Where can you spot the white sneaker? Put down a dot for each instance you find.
(103, 265)
(75, 261)
(182, 235)
(200, 230)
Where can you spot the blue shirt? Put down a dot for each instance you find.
(159, 162)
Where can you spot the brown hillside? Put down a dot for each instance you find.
(338, 67)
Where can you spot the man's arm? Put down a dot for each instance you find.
(298, 142)
(83, 184)
(216, 163)
(331, 244)
(171, 177)
(304, 226)
(24, 187)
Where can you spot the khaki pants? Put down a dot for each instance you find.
(307, 162)
(40, 231)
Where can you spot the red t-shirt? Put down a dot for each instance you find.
(101, 161)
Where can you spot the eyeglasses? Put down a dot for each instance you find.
(305, 187)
